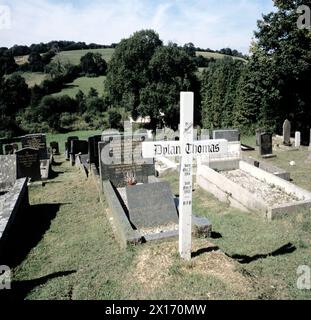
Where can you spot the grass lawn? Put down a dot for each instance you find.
(84, 84)
(34, 78)
(71, 251)
(216, 55)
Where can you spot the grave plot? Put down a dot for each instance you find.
(249, 188)
(141, 207)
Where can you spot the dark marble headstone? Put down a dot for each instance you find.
(28, 164)
(36, 141)
(93, 149)
(1, 149)
(151, 205)
(68, 145)
(79, 146)
(229, 135)
(121, 155)
(265, 146)
(55, 147)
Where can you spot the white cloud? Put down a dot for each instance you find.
(206, 23)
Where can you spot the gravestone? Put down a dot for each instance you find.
(121, 155)
(286, 133)
(229, 135)
(186, 148)
(93, 149)
(55, 147)
(7, 171)
(8, 149)
(297, 139)
(79, 146)
(258, 133)
(265, 147)
(151, 205)
(68, 145)
(1, 149)
(36, 141)
(310, 142)
(28, 164)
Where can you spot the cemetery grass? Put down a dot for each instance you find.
(78, 257)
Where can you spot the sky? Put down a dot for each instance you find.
(213, 24)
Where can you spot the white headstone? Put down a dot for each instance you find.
(297, 139)
(185, 148)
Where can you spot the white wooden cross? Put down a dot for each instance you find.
(186, 148)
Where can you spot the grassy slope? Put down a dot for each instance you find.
(84, 84)
(80, 238)
(75, 55)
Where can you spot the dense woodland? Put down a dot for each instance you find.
(144, 78)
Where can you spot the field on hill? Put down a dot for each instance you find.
(216, 55)
(84, 84)
(70, 251)
(74, 56)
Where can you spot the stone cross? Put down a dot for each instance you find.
(186, 149)
(286, 133)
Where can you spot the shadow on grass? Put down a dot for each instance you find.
(203, 250)
(20, 289)
(243, 259)
(27, 232)
(54, 174)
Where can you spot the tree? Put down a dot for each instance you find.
(35, 62)
(114, 118)
(145, 78)
(171, 70)
(128, 70)
(93, 64)
(280, 68)
(7, 62)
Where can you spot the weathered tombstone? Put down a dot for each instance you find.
(36, 141)
(28, 164)
(265, 147)
(151, 205)
(229, 135)
(286, 133)
(93, 149)
(8, 149)
(121, 155)
(297, 139)
(7, 171)
(55, 147)
(258, 133)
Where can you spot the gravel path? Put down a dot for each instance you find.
(271, 194)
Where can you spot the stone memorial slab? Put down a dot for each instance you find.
(68, 145)
(297, 139)
(120, 156)
(28, 164)
(286, 133)
(55, 147)
(79, 146)
(151, 205)
(7, 171)
(229, 135)
(265, 147)
(36, 141)
(1, 149)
